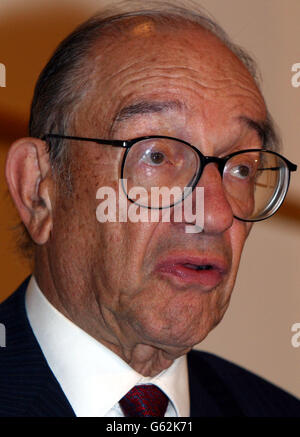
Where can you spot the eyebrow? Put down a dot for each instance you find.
(147, 107)
(265, 130)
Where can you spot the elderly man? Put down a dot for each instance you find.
(106, 323)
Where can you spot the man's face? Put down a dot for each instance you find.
(136, 283)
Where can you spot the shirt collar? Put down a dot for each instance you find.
(93, 377)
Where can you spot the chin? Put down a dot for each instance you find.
(179, 334)
(176, 318)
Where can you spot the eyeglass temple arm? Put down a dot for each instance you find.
(291, 166)
(115, 143)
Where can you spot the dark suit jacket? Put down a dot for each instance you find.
(217, 387)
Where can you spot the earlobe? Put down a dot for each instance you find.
(28, 175)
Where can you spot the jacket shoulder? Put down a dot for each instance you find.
(27, 385)
(254, 395)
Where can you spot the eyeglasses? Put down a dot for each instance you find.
(255, 181)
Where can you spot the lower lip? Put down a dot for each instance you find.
(206, 278)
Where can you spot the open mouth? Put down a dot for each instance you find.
(199, 267)
(207, 273)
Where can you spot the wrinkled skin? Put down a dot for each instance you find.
(103, 276)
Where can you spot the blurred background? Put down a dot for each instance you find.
(256, 330)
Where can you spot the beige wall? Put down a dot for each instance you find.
(256, 330)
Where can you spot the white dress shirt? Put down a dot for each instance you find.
(93, 377)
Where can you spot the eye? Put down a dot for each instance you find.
(153, 157)
(157, 157)
(240, 171)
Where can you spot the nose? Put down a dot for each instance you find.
(218, 215)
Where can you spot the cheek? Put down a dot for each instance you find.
(122, 244)
(121, 253)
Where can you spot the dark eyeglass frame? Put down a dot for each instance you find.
(204, 160)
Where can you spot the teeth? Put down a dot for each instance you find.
(195, 267)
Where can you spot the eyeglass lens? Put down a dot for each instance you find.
(255, 183)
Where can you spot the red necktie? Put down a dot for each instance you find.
(144, 401)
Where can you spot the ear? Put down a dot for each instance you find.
(29, 179)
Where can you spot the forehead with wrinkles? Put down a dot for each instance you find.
(141, 58)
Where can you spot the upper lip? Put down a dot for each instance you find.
(215, 262)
